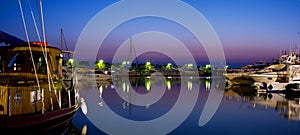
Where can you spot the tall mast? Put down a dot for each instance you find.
(298, 45)
(130, 62)
(63, 42)
(130, 53)
(291, 51)
(61, 39)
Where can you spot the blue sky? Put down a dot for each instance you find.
(249, 30)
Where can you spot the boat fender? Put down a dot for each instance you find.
(270, 87)
(265, 85)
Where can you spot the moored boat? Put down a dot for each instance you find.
(264, 77)
(36, 94)
(93, 75)
(38, 87)
(231, 76)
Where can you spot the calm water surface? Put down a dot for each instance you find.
(242, 111)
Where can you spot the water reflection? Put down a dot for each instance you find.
(169, 84)
(125, 91)
(287, 108)
(207, 84)
(121, 94)
(286, 104)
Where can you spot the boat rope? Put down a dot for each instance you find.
(43, 50)
(50, 81)
(28, 42)
(39, 37)
(34, 21)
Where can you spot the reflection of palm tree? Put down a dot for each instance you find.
(127, 89)
(100, 91)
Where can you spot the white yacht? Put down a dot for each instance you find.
(292, 80)
(269, 74)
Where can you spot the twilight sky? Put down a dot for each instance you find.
(249, 30)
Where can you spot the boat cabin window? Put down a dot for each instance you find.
(22, 62)
(40, 63)
(17, 62)
(2, 61)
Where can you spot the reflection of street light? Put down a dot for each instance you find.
(207, 84)
(190, 85)
(148, 84)
(168, 83)
(101, 91)
(124, 87)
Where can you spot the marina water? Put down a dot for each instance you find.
(242, 110)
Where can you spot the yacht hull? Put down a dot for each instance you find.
(268, 78)
(48, 122)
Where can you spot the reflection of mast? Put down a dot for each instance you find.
(129, 96)
(128, 85)
(127, 89)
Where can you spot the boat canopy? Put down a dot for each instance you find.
(9, 39)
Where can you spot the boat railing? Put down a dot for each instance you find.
(236, 70)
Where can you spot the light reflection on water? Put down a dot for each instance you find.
(242, 111)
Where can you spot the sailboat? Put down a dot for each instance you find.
(126, 70)
(37, 94)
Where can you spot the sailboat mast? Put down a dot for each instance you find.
(291, 47)
(298, 45)
(130, 53)
(63, 43)
(61, 39)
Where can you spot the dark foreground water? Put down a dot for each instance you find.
(168, 106)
